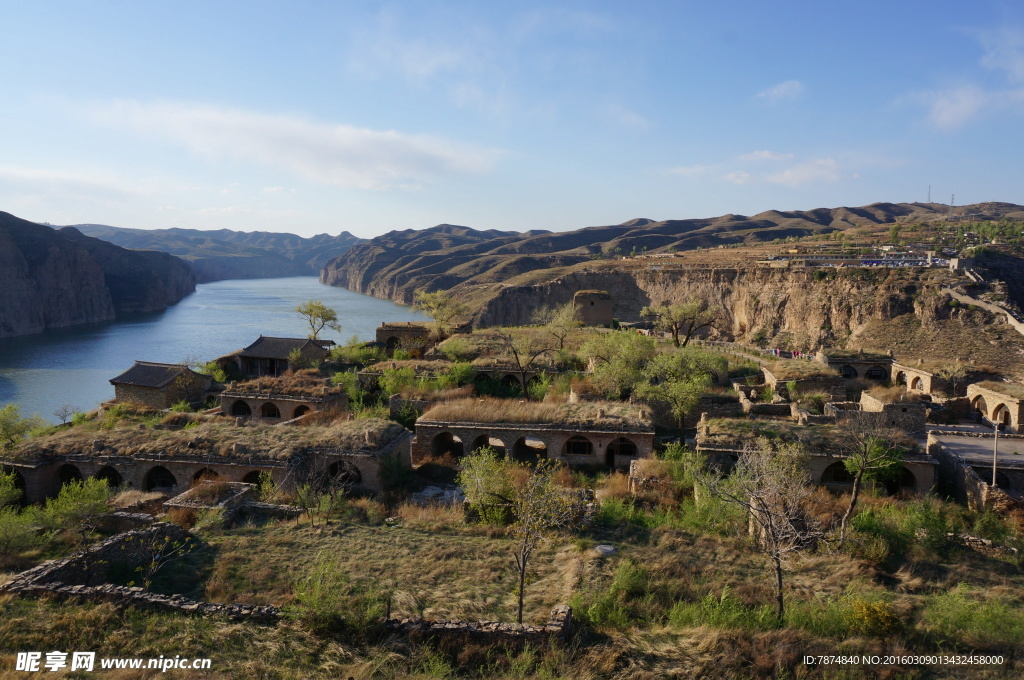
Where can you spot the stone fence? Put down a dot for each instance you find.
(559, 627)
(84, 576)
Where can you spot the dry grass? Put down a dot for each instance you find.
(429, 517)
(890, 395)
(735, 433)
(797, 369)
(130, 497)
(1010, 389)
(419, 366)
(305, 383)
(418, 392)
(615, 415)
(218, 438)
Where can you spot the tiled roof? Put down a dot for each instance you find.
(279, 348)
(151, 374)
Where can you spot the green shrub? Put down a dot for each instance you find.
(456, 350)
(18, 531)
(328, 601)
(724, 611)
(957, 616)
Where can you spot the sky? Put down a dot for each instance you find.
(320, 116)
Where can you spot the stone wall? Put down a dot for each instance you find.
(84, 576)
(559, 627)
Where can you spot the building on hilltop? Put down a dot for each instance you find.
(160, 385)
(857, 365)
(270, 356)
(596, 307)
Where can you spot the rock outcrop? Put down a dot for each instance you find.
(54, 279)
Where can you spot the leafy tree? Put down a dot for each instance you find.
(772, 485)
(318, 316)
(618, 360)
(682, 396)
(682, 318)
(874, 450)
(9, 491)
(680, 378)
(442, 308)
(19, 531)
(560, 321)
(14, 428)
(78, 505)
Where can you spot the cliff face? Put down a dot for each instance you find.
(53, 279)
(226, 254)
(47, 281)
(811, 309)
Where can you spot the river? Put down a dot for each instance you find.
(73, 366)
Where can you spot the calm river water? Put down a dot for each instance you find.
(73, 366)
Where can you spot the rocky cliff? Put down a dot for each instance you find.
(52, 279)
(227, 254)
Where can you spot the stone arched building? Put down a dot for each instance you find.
(998, 403)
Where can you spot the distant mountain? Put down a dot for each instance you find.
(478, 263)
(53, 278)
(227, 254)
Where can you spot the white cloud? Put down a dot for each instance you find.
(790, 89)
(56, 181)
(1004, 51)
(765, 155)
(951, 108)
(338, 154)
(819, 170)
(738, 177)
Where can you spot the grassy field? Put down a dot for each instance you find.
(684, 595)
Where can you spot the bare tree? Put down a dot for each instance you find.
(64, 412)
(772, 485)
(524, 351)
(954, 374)
(682, 318)
(560, 321)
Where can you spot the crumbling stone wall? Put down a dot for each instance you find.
(559, 627)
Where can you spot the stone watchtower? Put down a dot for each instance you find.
(595, 307)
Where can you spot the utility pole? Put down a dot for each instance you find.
(995, 454)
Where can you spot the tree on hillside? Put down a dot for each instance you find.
(540, 507)
(443, 309)
(617, 360)
(524, 351)
(318, 316)
(873, 449)
(682, 318)
(14, 428)
(680, 379)
(560, 321)
(772, 485)
(955, 374)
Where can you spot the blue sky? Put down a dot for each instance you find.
(320, 116)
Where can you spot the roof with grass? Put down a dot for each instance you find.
(1009, 389)
(797, 369)
(210, 437)
(304, 383)
(599, 415)
(854, 354)
(152, 374)
(418, 366)
(267, 347)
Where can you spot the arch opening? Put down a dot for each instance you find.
(447, 444)
(916, 383)
(240, 409)
(529, 450)
(68, 473)
(1001, 416)
(112, 477)
(487, 440)
(204, 475)
(578, 445)
(848, 371)
(904, 482)
(876, 373)
(836, 474)
(270, 410)
(300, 411)
(901, 378)
(621, 447)
(252, 477)
(160, 478)
(345, 474)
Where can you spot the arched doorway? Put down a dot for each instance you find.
(904, 482)
(240, 409)
(848, 371)
(19, 483)
(916, 383)
(270, 410)
(836, 475)
(447, 443)
(252, 477)
(901, 378)
(578, 445)
(876, 373)
(1001, 416)
(344, 474)
(391, 344)
(68, 473)
(510, 385)
(159, 478)
(980, 405)
(621, 447)
(204, 475)
(529, 450)
(300, 411)
(111, 476)
(487, 440)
